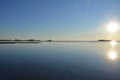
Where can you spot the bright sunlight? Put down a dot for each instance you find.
(113, 43)
(112, 27)
(112, 55)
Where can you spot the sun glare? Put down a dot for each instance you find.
(112, 55)
(113, 43)
(112, 27)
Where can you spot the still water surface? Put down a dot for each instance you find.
(60, 61)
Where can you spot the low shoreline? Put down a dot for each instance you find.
(13, 42)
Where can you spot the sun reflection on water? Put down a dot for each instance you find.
(112, 55)
(113, 43)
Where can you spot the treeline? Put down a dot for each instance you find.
(19, 40)
(24, 40)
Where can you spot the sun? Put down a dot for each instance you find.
(112, 27)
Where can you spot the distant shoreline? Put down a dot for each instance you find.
(5, 41)
(13, 42)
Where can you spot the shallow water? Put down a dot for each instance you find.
(59, 61)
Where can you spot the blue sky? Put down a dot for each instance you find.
(57, 19)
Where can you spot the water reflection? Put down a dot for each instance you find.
(113, 43)
(112, 54)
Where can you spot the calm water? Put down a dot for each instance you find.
(60, 61)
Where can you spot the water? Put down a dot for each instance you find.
(59, 61)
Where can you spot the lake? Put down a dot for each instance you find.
(60, 61)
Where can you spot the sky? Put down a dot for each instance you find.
(58, 19)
